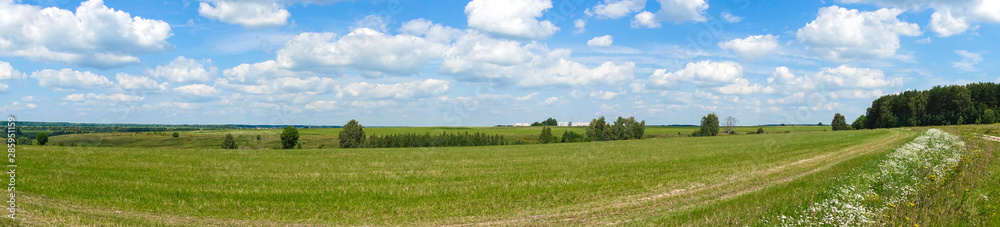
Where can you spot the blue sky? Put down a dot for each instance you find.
(481, 62)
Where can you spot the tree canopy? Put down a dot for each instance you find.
(352, 135)
(289, 137)
(839, 123)
(941, 105)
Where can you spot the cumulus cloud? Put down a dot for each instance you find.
(830, 79)
(580, 25)
(280, 85)
(68, 79)
(91, 98)
(371, 52)
(250, 14)
(197, 91)
(677, 11)
(724, 77)
(751, 48)
(139, 83)
(603, 95)
(601, 41)
(950, 17)
(322, 105)
(730, 18)
(969, 60)
(425, 88)
(839, 33)
(183, 70)
(94, 36)
(614, 9)
(514, 18)
(477, 57)
(8, 73)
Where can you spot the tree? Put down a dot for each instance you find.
(289, 137)
(175, 135)
(859, 123)
(536, 123)
(229, 142)
(546, 136)
(570, 137)
(42, 138)
(839, 123)
(709, 125)
(731, 124)
(989, 117)
(599, 130)
(550, 122)
(353, 135)
(760, 130)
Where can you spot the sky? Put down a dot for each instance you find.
(481, 62)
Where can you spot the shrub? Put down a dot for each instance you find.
(258, 137)
(175, 135)
(760, 130)
(229, 142)
(709, 125)
(289, 137)
(570, 137)
(859, 123)
(42, 138)
(439, 140)
(353, 135)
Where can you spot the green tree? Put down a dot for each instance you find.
(289, 137)
(859, 123)
(570, 137)
(989, 117)
(599, 130)
(550, 122)
(709, 125)
(229, 142)
(175, 135)
(353, 135)
(42, 138)
(839, 123)
(258, 137)
(536, 123)
(546, 136)
(760, 130)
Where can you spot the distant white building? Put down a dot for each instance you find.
(563, 124)
(522, 124)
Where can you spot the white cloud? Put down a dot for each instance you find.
(851, 78)
(373, 104)
(677, 11)
(730, 18)
(183, 70)
(969, 60)
(601, 41)
(68, 79)
(93, 36)
(250, 73)
(839, 33)
(322, 105)
(139, 83)
(197, 91)
(751, 48)
(603, 95)
(279, 85)
(8, 72)
(856, 94)
(371, 52)
(551, 100)
(580, 25)
(944, 24)
(429, 87)
(923, 41)
(250, 14)
(950, 17)
(477, 57)
(515, 18)
(91, 98)
(724, 77)
(614, 9)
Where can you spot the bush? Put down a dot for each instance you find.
(353, 135)
(258, 137)
(439, 140)
(859, 123)
(550, 122)
(289, 137)
(571, 137)
(42, 138)
(175, 135)
(623, 129)
(760, 130)
(229, 142)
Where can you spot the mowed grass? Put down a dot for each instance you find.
(638, 181)
(328, 137)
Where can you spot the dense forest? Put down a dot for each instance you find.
(975, 103)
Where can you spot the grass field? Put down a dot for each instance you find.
(725, 180)
(327, 138)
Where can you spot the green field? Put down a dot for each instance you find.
(638, 181)
(327, 138)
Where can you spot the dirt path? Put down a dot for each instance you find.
(635, 207)
(991, 138)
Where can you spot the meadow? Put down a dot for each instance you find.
(654, 180)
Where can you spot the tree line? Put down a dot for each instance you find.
(975, 103)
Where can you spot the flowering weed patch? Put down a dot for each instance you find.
(869, 194)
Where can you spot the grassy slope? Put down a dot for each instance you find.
(327, 138)
(645, 181)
